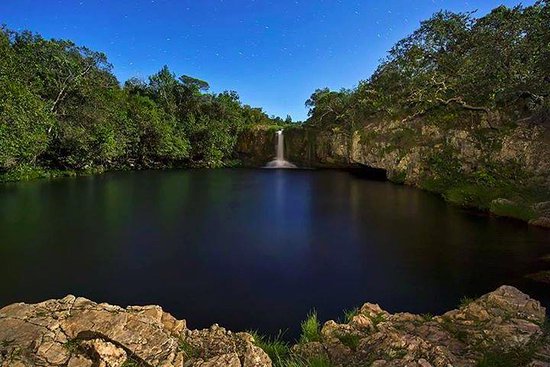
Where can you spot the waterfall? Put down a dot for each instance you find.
(279, 161)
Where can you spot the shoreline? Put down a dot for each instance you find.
(505, 324)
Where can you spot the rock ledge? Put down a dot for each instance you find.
(77, 332)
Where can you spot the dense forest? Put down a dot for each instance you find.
(62, 111)
(460, 107)
(497, 65)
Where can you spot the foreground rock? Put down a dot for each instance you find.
(503, 324)
(76, 332)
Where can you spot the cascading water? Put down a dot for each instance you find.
(279, 161)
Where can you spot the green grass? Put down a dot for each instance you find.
(465, 301)
(513, 210)
(377, 319)
(313, 362)
(350, 314)
(311, 328)
(275, 347)
(398, 177)
(72, 346)
(189, 350)
(350, 340)
(129, 362)
(469, 196)
(427, 316)
(500, 358)
(280, 354)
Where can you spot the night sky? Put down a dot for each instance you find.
(274, 53)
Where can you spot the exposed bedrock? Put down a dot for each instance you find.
(512, 163)
(77, 332)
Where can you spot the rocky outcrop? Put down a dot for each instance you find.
(76, 332)
(504, 321)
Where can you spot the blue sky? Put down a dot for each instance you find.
(274, 53)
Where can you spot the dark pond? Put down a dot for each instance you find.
(255, 249)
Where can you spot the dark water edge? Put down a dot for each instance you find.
(256, 249)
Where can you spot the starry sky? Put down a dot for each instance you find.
(275, 53)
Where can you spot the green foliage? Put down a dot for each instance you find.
(427, 316)
(350, 340)
(456, 70)
(465, 301)
(350, 314)
(470, 195)
(275, 347)
(72, 346)
(311, 328)
(313, 362)
(130, 362)
(398, 177)
(513, 210)
(507, 358)
(189, 350)
(318, 362)
(62, 109)
(24, 125)
(280, 354)
(377, 319)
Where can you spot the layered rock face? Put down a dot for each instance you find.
(77, 332)
(418, 153)
(504, 321)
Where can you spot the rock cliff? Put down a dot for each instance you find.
(505, 170)
(77, 332)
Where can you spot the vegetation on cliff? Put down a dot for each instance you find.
(460, 107)
(468, 89)
(62, 110)
(458, 64)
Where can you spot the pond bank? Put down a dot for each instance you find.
(504, 325)
(504, 172)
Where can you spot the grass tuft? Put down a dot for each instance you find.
(350, 340)
(427, 316)
(465, 301)
(275, 347)
(189, 350)
(311, 328)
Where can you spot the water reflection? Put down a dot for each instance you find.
(209, 244)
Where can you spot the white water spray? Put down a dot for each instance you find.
(279, 161)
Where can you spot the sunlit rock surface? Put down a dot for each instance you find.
(77, 332)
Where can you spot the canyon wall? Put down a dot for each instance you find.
(504, 170)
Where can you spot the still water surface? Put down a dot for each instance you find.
(255, 249)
